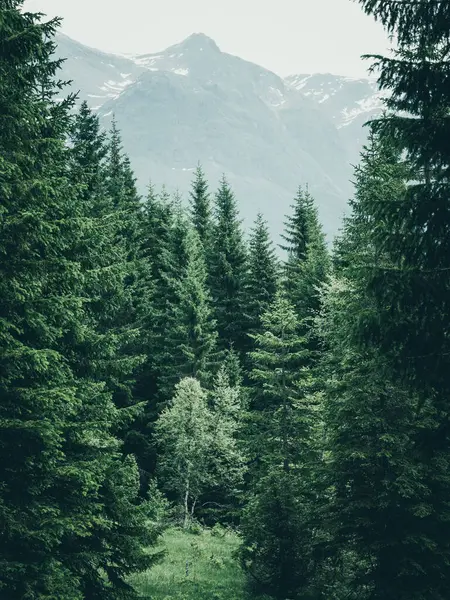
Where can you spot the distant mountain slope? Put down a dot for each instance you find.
(349, 102)
(193, 103)
(98, 76)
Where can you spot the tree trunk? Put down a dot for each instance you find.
(186, 504)
(193, 508)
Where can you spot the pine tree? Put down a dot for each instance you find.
(105, 256)
(157, 294)
(378, 490)
(307, 264)
(407, 286)
(38, 392)
(279, 365)
(57, 451)
(233, 369)
(88, 150)
(201, 213)
(121, 187)
(154, 299)
(179, 238)
(190, 342)
(228, 264)
(378, 422)
(278, 524)
(262, 278)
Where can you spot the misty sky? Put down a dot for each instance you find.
(286, 36)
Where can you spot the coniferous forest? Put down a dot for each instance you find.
(166, 375)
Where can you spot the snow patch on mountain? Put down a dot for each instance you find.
(346, 99)
(184, 72)
(370, 105)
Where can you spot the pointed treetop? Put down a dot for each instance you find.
(299, 225)
(200, 206)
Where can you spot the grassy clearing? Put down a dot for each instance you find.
(197, 567)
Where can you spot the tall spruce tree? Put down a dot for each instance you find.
(88, 153)
(38, 392)
(380, 423)
(228, 264)
(105, 255)
(279, 365)
(307, 263)
(262, 277)
(155, 296)
(190, 342)
(121, 187)
(57, 452)
(278, 522)
(409, 289)
(200, 204)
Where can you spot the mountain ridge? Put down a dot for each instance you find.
(192, 102)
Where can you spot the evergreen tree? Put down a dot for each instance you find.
(88, 150)
(279, 364)
(407, 286)
(190, 342)
(57, 451)
(307, 264)
(121, 187)
(380, 423)
(157, 293)
(278, 523)
(262, 278)
(155, 299)
(179, 238)
(378, 489)
(105, 256)
(233, 369)
(228, 264)
(201, 213)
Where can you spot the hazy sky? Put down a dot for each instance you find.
(286, 36)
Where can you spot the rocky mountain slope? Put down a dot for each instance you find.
(193, 103)
(349, 102)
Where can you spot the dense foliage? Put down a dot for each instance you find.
(156, 363)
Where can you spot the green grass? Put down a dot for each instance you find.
(197, 567)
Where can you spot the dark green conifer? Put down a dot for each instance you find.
(57, 450)
(191, 338)
(408, 283)
(228, 267)
(307, 263)
(380, 422)
(262, 277)
(107, 260)
(121, 186)
(200, 203)
(278, 524)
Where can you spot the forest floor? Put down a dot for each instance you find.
(197, 566)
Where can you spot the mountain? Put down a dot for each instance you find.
(96, 75)
(349, 102)
(192, 102)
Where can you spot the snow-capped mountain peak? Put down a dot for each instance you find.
(176, 58)
(193, 102)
